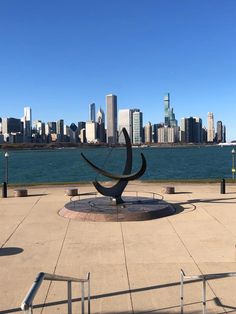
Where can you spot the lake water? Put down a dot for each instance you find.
(67, 165)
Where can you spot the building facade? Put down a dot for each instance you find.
(210, 128)
(60, 130)
(91, 132)
(219, 132)
(111, 103)
(191, 130)
(27, 124)
(148, 133)
(137, 126)
(100, 118)
(124, 121)
(92, 112)
(168, 134)
(169, 113)
(11, 125)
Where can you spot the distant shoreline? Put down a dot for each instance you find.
(65, 145)
(137, 182)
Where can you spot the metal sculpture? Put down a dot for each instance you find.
(116, 190)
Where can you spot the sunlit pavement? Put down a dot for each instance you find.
(134, 266)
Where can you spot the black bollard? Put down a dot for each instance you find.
(222, 186)
(4, 190)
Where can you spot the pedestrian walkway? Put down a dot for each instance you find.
(135, 266)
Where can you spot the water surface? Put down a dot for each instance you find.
(67, 165)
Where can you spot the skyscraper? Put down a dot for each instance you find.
(198, 130)
(100, 116)
(73, 132)
(81, 125)
(148, 133)
(81, 131)
(60, 130)
(137, 126)
(27, 123)
(51, 128)
(210, 127)
(90, 128)
(11, 125)
(169, 112)
(191, 130)
(101, 125)
(38, 130)
(155, 133)
(168, 134)
(92, 112)
(124, 121)
(224, 134)
(219, 130)
(182, 130)
(111, 102)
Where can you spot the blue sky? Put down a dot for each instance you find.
(58, 56)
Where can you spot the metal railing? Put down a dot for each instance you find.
(72, 198)
(27, 303)
(202, 278)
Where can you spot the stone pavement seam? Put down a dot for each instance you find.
(62, 245)
(191, 256)
(126, 267)
(221, 224)
(20, 223)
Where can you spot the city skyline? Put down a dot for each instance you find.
(59, 63)
(96, 113)
(188, 130)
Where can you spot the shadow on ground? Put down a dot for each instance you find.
(39, 194)
(183, 192)
(213, 200)
(172, 309)
(5, 251)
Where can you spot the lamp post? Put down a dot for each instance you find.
(6, 167)
(233, 163)
(4, 186)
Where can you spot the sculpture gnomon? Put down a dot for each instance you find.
(117, 189)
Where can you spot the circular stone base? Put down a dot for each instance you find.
(102, 209)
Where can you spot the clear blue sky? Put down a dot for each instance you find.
(58, 56)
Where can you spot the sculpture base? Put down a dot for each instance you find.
(103, 209)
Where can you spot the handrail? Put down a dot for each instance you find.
(203, 278)
(27, 303)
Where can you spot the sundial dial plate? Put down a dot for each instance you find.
(102, 209)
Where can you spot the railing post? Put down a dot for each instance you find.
(204, 295)
(88, 293)
(182, 292)
(69, 294)
(30, 310)
(82, 297)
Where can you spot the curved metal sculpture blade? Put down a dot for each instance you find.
(116, 190)
(128, 177)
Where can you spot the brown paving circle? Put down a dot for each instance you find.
(101, 209)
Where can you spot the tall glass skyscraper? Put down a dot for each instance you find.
(169, 113)
(92, 112)
(111, 102)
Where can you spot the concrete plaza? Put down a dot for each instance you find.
(134, 266)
